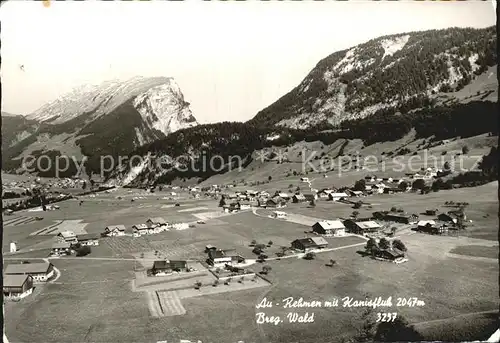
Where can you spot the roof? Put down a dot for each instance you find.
(369, 224)
(319, 240)
(213, 254)
(338, 195)
(311, 241)
(425, 222)
(330, 224)
(158, 220)
(27, 268)
(394, 252)
(60, 245)
(140, 227)
(67, 234)
(14, 280)
(284, 195)
(116, 227)
(279, 212)
(299, 196)
(399, 215)
(87, 236)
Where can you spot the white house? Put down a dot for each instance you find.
(114, 230)
(337, 196)
(329, 228)
(13, 247)
(88, 239)
(141, 230)
(40, 272)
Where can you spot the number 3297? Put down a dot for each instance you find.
(386, 317)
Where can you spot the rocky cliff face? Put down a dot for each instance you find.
(91, 121)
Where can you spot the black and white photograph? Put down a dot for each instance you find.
(249, 171)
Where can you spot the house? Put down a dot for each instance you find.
(449, 217)
(218, 257)
(61, 248)
(157, 221)
(361, 227)
(244, 205)
(392, 190)
(232, 207)
(264, 194)
(310, 243)
(401, 218)
(114, 230)
(67, 236)
(141, 230)
(275, 203)
(430, 226)
(279, 214)
(17, 286)
(329, 228)
(40, 272)
(88, 239)
(377, 188)
(354, 193)
(431, 212)
(304, 179)
(389, 254)
(297, 198)
(262, 201)
(311, 196)
(337, 196)
(167, 267)
(284, 196)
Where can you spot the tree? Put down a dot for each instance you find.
(358, 204)
(269, 243)
(465, 150)
(269, 178)
(84, 185)
(393, 230)
(446, 166)
(394, 209)
(418, 184)
(310, 256)
(384, 244)
(266, 269)
(197, 285)
(332, 262)
(360, 185)
(403, 185)
(355, 214)
(312, 203)
(216, 283)
(83, 251)
(398, 244)
(222, 202)
(253, 242)
(371, 246)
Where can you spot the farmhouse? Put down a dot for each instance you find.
(329, 228)
(389, 254)
(245, 205)
(17, 286)
(448, 217)
(218, 257)
(88, 239)
(401, 218)
(67, 236)
(61, 248)
(157, 221)
(430, 226)
(279, 214)
(296, 198)
(309, 243)
(140, 230)
(337, 196)
(275, 203)
(361, 227)
(114, 230)
(284, 196)
(40, 272)
(310, 196)
(167, 267)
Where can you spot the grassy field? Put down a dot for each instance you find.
(94, 300)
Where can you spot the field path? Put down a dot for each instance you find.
(472, 258)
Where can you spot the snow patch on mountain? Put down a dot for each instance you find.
(391, 46)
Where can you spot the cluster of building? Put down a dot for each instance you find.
(67, 240)
(152, 226)
(19, 279)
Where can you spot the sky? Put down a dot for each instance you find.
(230, 59)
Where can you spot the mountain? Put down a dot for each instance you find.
(93, 121)
(401, 72)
